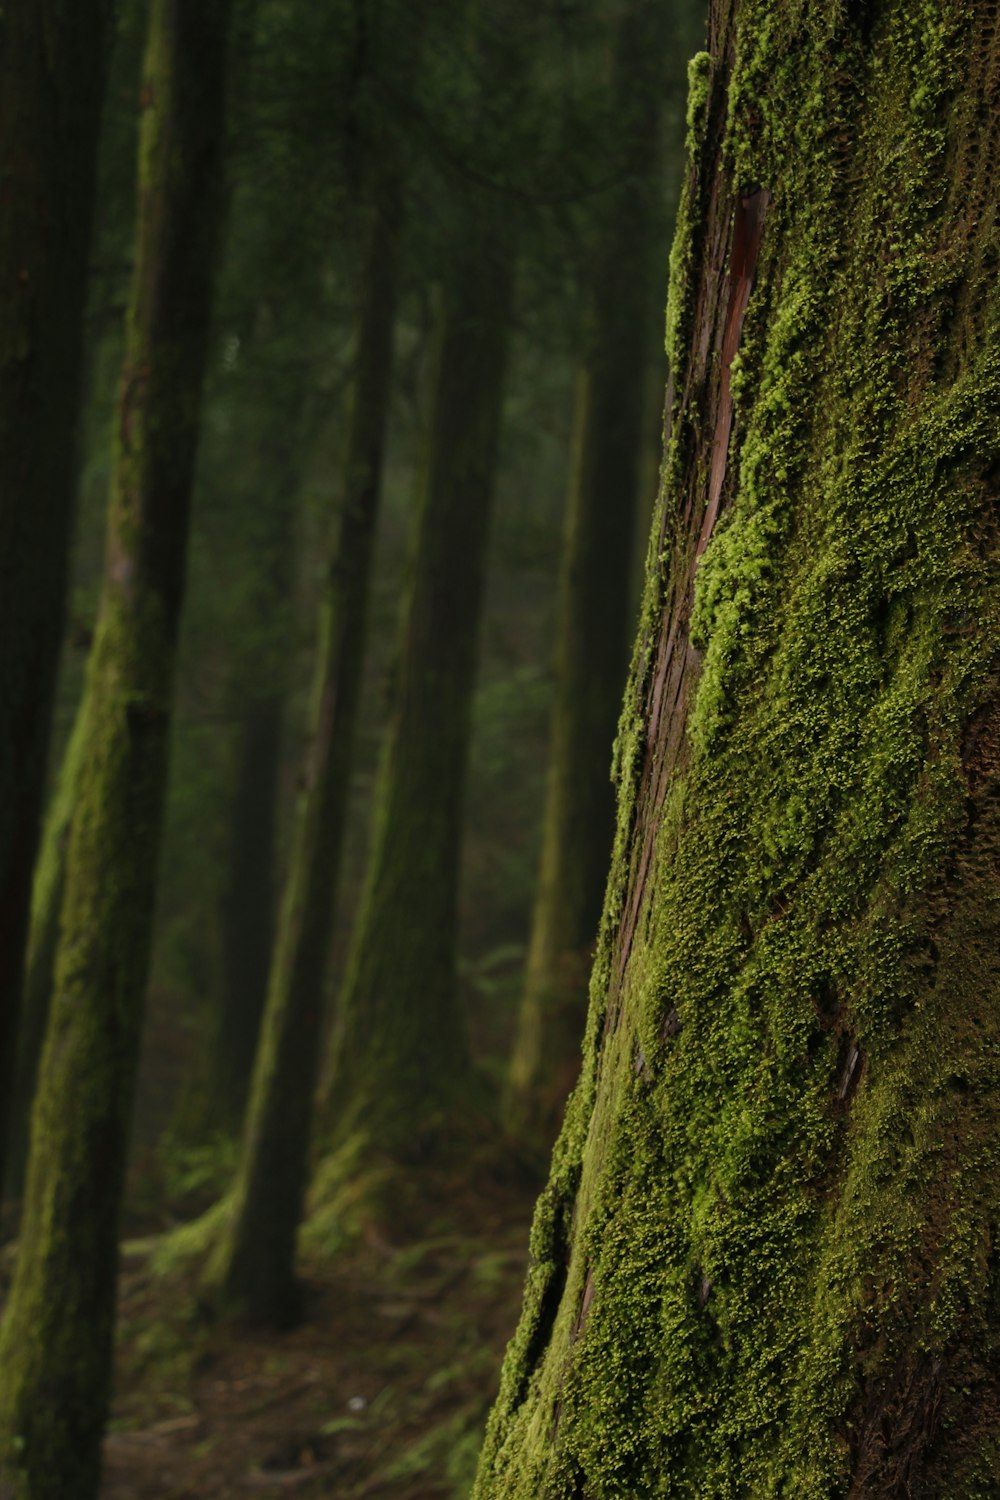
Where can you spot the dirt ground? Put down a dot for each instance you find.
(382, 1390)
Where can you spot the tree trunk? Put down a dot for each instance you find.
(52, 77)
(110, 247)
(252, 1270)
(766, 1260)
(261, 683)
(55, 1341)
(400, 1060)
(593, 624)
(274, 424)
(248, 909)
(43, 943)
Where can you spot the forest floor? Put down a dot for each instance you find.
(382, 1390)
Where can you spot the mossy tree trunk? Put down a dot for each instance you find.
(591, 654)
(252, 1270)
(55, 1340)
(400, 1063)
(766, 1260)
(111, 237)
(43, 943)
(52, 75)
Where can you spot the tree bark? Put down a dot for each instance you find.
(765, 1262)
(400, 1061)
(52, 76)
(591, 655)
(104, 325)
(253, 1268)
(55, 1340)
(43, 943)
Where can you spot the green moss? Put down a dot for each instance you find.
(43, 937)
(765, 1260)
(682, 251)
(56, 1332)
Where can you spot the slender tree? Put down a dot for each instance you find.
(765, 1262)
(278, 453)
(43, 943)
(286, 248)
(400, 1060)
(252, 1269)
(55, 1341)
(592, 630)
(52, 77)
(111, 241)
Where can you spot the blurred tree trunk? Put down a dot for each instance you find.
(52, 78)
(43, 943)
(111, 250)
(55, 1341)
(591, 654)
(253, 1267)
(766, 1261)
(400, 1062)
(279, 456)
(248, 907)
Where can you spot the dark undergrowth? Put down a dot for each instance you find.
(382, 1389)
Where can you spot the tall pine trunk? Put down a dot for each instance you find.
(55, 1340)
(253, 1267)
(591, 654)
(52, 77)
(400, 1062)
(766, 1262)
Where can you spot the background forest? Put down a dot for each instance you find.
(371, 382)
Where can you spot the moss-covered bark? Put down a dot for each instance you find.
(765, 1263)
(592, 625)
(55, 1340)
(253, 1267)
(52, 76)
(400, 1060)
(43, 942)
